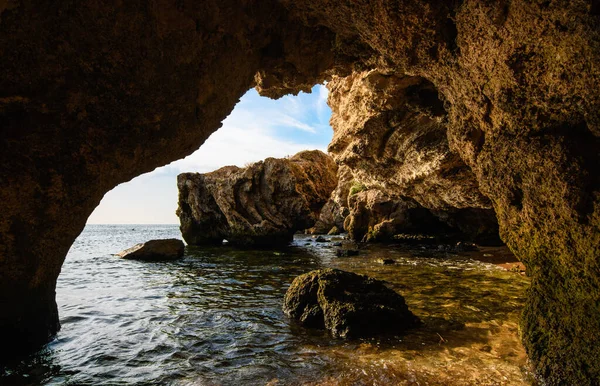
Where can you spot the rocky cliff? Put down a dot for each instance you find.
(263, 204)
(390, 135)
(94, 93)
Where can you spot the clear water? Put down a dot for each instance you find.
(214, 318)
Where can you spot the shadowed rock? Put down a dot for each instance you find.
(263, 204)
(165, 249)
(347, 304)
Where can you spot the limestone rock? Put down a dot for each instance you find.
(347, 304)
(335, 211)
(261, 205)
(374, 216)
(164, 249)
(390, 132)
(85, 109)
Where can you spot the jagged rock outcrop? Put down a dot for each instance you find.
(390, 132)
(152, 250)
(347, 304)
(145, 83)
(335, 210)
(263, 204)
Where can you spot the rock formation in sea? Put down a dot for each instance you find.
(152, 250)
(263, 204)
(347, 304)
(95, 93)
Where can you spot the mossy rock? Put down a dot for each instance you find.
(347, 304)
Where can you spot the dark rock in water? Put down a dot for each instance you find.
(462, 246)
(337, 244)
(166, 249)
(347, 304)
(342, 252)
(386, 261)
(321, 239)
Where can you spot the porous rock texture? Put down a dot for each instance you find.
(152, 250)
(347, 304)
(390, 131)
(94, 93)
(263, 204)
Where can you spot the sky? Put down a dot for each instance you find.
(257, 128)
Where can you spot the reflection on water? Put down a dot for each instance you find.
(214, 318)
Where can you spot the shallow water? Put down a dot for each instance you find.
(214, 318)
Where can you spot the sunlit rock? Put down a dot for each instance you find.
(165, 249)
(263, 204)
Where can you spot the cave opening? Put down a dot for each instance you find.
(96, 93)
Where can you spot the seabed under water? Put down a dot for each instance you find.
(214, 318)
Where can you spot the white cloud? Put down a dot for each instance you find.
(232, 145)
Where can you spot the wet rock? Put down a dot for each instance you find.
(263, 204)
(321, 239)
(164, 249)
(345, 252)
(347, 304)
(462, 246)
(385, 261)
(337, 244)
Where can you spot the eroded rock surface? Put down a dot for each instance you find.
(347, 304)
(390, 132)
(261, 205)
(164, 249)
(94, 93)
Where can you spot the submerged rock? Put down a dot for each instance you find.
(346, 252)
(260, 205)
(347, 304)
(165, 249)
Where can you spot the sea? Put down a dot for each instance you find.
(214, 318)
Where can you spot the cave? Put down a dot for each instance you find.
(93, 94)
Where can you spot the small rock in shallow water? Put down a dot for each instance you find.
(166, 249)
(462, 246)
(346, 252)
(386, 261)
(347, 304)
(321, 239)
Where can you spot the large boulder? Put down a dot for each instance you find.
(263, 204)
(347, 304)
(165, 249)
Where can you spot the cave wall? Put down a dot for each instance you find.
(390, 131)
(520, 87)
(95, 93)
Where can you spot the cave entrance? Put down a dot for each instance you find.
(257, 128)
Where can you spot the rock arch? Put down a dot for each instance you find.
(94, 94)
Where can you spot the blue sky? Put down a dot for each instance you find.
(257, 128)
